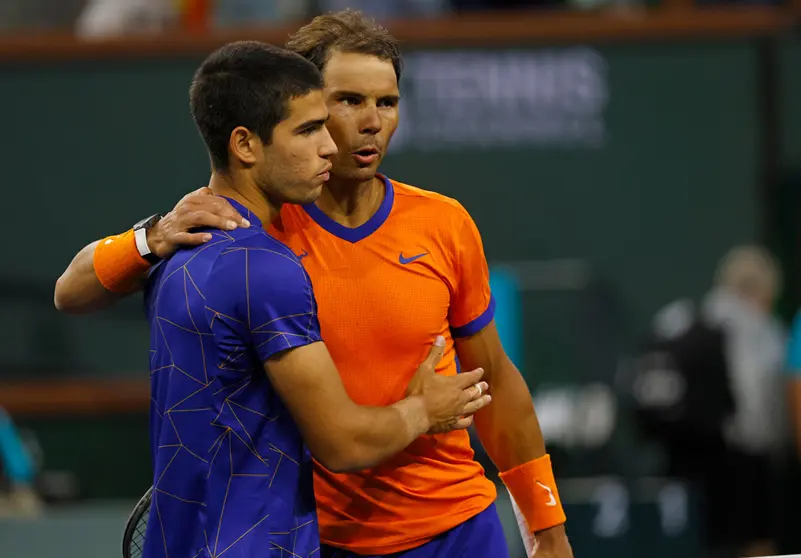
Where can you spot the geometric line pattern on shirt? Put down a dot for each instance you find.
(203, 383)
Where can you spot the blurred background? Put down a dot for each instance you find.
(634, 167)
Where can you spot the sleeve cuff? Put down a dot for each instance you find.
(283, 343)
(473, 327)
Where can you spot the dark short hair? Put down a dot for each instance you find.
(345, 31)
(247, 84)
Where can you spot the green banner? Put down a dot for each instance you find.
(639, 160)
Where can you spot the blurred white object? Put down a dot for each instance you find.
(109, 18)
(674, 319)
(21, 502)
(576, 415)
(747, 281)
(529, 540)
(755, 353)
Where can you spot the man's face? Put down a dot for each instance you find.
(362, 95)
(294, 166)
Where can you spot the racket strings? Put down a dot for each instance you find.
(138, 538)
(133, 542)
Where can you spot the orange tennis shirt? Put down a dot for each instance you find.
(385, 290)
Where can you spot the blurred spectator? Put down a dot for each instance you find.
(18, 472)
(747, 283)
(102, 18)
(734, 472)
(107, 18)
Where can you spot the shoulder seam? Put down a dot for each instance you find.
(236, 244)
(417, 192)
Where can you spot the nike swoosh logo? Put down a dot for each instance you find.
(405, 261)
(303, 255)
(552, 501)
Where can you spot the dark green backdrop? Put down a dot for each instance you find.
(92, 146)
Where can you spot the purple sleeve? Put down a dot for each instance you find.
(262, 301)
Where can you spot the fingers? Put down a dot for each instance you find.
(462, 423)
(203, 191)
(205, 219)
(473, 400)
(477, 390)
(221, 207)
(476, 404)
(201, 210)
(191, 239)
(456, 424)
(466, 379)
(477, 400)
(434, 355)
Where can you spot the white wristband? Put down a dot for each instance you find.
(529, 540)
(140, 236)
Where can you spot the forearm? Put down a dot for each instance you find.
(511, 434)
(509, 429)
(78, 290)
(369, 435)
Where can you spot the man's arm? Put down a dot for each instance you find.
(277, 321)
(509, 430)
(80, 290)
(344, 436)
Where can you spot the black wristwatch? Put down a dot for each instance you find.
(140, 235)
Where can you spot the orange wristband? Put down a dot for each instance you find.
(533, 487)
(118, 264)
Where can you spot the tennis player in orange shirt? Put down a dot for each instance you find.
(393, 266)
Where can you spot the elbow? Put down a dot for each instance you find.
(60, 298)
(63, 299)
(345, 446)
(336, 465)
(346, 456)
(343, 460)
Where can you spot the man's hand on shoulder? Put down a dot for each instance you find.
(198, 209)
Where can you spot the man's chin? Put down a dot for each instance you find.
(355, 174)
(310, 196)
(314, 195)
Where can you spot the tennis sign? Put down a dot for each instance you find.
(454, 99)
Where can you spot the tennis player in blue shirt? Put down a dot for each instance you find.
(240, 378)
